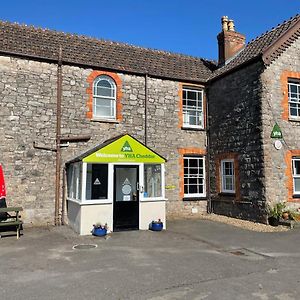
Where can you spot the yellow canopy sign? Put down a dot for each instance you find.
(124, 149)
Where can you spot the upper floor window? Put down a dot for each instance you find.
(227, 176)
(192, 107)
(194, 176)
(294, 98)
(104, 98)
(296, 175)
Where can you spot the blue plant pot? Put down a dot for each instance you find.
(99, 231)
(156, 226)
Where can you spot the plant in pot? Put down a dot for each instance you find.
(286, 215)
(99, 229)
(294, 215)
(275, 212)
(156, 225)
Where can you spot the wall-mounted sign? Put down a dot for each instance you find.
(276, 132)
(124, 149)
(277, 145)
(170, 187)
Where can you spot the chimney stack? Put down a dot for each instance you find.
(230, 42)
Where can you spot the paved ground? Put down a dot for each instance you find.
(195, 259)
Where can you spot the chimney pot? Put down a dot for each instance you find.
(230, 24)
(224, 21)
(230, 42)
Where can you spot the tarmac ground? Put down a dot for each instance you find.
(192, 259)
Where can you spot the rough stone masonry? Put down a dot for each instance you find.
(28, 111)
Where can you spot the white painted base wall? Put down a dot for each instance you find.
(82, 217)
(152, 211)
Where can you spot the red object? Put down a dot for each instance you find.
(2, 184)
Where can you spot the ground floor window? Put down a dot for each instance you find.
(152, 181)
(227, 176)
(296, 175)
(74, 175)
(96, 181)
(194, 176)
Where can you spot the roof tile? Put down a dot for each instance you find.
(44, 43)
(256, 47)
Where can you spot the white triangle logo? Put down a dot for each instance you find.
(97, 182)
(126, 181)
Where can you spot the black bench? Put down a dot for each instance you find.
(12, 219)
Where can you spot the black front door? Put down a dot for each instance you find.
(126, 197)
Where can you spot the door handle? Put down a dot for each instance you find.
(139, 187)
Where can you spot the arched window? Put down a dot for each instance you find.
(104, 98)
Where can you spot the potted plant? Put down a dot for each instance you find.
(295, 215)
(99, 229)
(156, 225)
(286, 215)
(275, 213)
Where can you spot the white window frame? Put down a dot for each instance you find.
(142, 180)
(294, 174)
(97, 98)
(162, 174)
(294, 100)
(224, 176)
(74, 183)
(198, 109)
(203, 177)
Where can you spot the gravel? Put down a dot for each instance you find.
(259, 227)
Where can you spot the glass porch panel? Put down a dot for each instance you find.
(126, 184)
(96, 181)
(152, 181)
(74, 179)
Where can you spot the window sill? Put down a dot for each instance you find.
(153, 199)
(194, 198)
(90, 202)
(227, 194)
(296, 120)
(193, 128)
(105, 121)
(296, 197)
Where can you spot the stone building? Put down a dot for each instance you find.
(203, 129)
(256, 90)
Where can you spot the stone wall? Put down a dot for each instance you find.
(28, 115)
(274, 105)
(235, 132)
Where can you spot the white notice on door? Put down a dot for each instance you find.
(126, 198)
(97, 182)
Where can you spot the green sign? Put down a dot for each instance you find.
(125, 149)
(276, 132)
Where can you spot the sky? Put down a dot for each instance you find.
(181, 26)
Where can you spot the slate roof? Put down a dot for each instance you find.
(39, 43)
(268, 46)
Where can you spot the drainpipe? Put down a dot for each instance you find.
(63, 202)
(146, 102)
(209, 204)
(58, 136)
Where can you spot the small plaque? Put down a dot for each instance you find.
(126, 198)
(277, 144)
